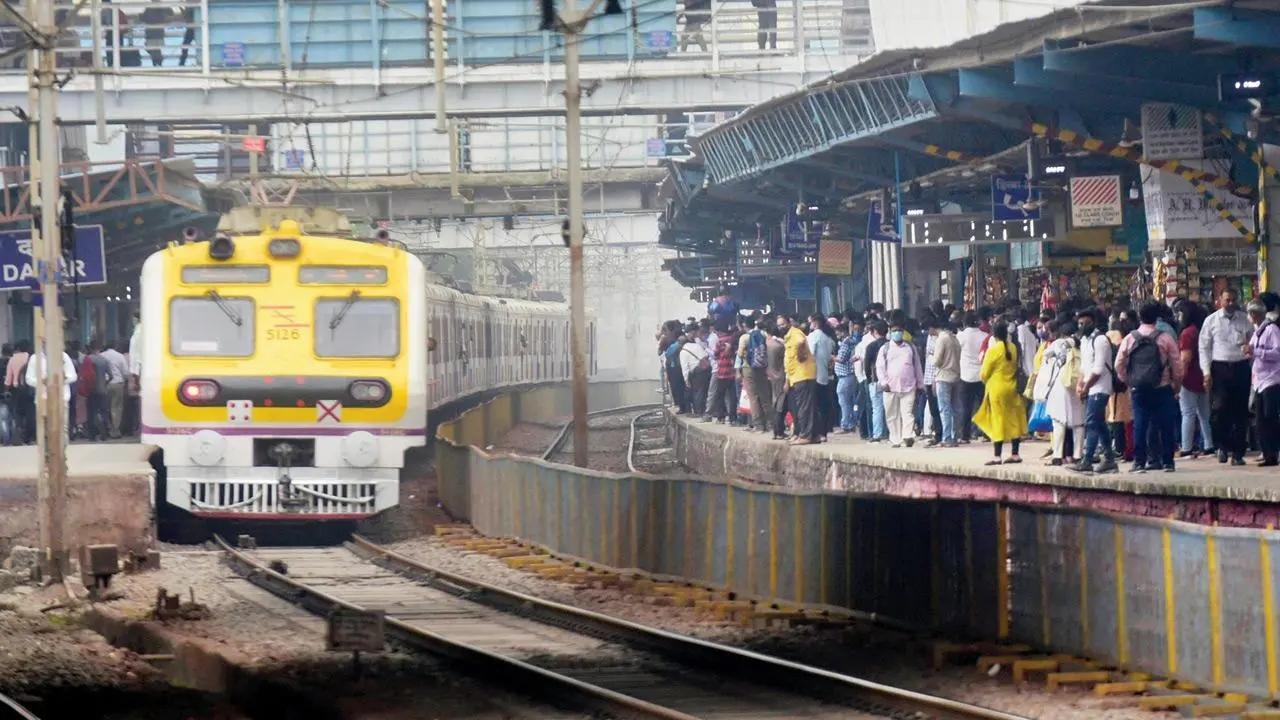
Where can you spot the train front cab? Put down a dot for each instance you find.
(291, 428)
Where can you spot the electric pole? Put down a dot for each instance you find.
(573, 23)
(46, 251)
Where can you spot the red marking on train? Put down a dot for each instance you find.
(268, 402)
(328, 410)
(300, 380)
(301, 403)
(267, 380)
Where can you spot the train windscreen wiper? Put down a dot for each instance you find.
(225, 308)
(339, 316)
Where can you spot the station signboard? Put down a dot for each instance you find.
(18, 268)
(1171, 132)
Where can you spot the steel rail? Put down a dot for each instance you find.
(631, 441)
(783, 674)
(531, 679)
(13, 705)
(563, 435)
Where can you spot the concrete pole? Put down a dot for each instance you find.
(48, 260)
(577, 293)
(44, 504)
(437, 54)
(99, 101)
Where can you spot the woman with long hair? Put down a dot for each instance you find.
(1002, 415)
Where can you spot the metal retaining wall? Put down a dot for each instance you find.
(483, 424)
(1176, 599)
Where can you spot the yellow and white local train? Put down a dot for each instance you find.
(287, 368)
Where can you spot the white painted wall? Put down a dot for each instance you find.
(899, 24)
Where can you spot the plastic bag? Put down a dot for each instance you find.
(1040, 420)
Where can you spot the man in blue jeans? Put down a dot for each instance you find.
(1095, 388)
(878, 331)
(1150, 363)
(846, 381)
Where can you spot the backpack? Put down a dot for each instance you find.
(1145, 366)
(757, 353)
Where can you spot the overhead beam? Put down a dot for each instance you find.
(1237, 26)
(1126, 61)
(997, 84)
(1030, 72)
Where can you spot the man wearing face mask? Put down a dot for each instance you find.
(900, 376)
(1223, 339)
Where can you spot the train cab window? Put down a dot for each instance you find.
(356, 327)
(211, 326)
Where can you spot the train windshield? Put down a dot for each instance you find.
(356, 327)
(211, 325)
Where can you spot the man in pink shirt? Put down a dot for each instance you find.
(900, 375)
(1149, 362)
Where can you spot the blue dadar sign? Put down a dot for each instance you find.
(18, 268)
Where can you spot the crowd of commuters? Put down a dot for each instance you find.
(100, 390)
(1101, 383)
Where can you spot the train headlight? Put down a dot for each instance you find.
(284, 248)
(360, 449)
(199, 392)
(369, 392)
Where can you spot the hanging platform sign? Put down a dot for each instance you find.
(835, 257)
(1008, 194)
(1095, 201)
(18, 268)
(799, 236)
(879, 227)
(1171, 132)
(802, 287)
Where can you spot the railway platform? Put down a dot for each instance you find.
(108, 496)
(1201, 491)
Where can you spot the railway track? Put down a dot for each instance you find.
(570, 656)
(647, 448)
(611, 430)
(14, 709)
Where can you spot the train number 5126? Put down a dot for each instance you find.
(283, 334)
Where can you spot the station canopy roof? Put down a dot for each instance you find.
(942, 120)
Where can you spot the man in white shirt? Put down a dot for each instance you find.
(135, 351)
(36, 380)
(1095, 388)
(1028, 343)
(695, 362)
(971, 340)
(1227, 375)
(119, 367)
(860, 372)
